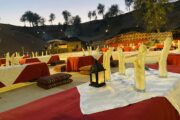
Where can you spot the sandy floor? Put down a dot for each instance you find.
(21, 96)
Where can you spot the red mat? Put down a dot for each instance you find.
(60, 106)
(157, 108)
(66, 106)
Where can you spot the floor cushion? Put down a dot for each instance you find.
(54, 80)
(48, 86)
(85, 70)
(60, 68)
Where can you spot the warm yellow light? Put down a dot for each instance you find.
(100, 77)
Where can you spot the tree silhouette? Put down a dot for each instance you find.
(90, 15)
(114, 10)
(128, 4)
(29, 17)
(23, 19)
(75, 28)
(100, 9)
(77, 20)
(152, 14)
(36, 19)
(66, 14)
(32, 18)
(42, 21)
(94, 15)
(52, 18)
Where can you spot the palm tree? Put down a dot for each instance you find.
(113, 10)
(89, 15)
(94, 14)
(100, 9)
(29, 17)
(52, 18)
(128, 4)
(23, 19)
(36, 18)
(77, 20)
(66, 14)
(42, 21)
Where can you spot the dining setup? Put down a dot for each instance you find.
(148, 90)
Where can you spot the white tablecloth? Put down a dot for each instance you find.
(151, 57)
(8, 75)
(44, 58)
(120, 91)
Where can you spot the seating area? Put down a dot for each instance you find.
(89, 60)
(61, 73)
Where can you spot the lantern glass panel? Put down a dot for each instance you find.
(100, 77)
(93, 77)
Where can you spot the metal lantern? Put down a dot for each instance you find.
(97, 75)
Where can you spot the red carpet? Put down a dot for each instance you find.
(66, 106)
(157, 108)
(60, 106)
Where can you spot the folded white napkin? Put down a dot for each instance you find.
(83, 52)
(36, 54)
(139, 68)
(33, 55)
(7, 59)
(12, 59)
(106, 64)
(121, 59)
(46, 52)
(178, 49)
(88, 48)
(42, 54)
(163, 57)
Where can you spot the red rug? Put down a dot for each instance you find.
(157, 108)
(61, 106)
(66, 106)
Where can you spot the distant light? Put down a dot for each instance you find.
(106, 30)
